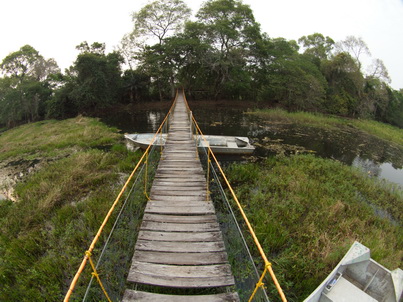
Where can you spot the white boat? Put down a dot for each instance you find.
(219, 144)
(359, 278)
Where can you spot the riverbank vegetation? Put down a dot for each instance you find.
(222, 54)
(80, 165)
(378, 129)
(307, 211)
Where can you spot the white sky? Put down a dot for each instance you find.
(55, 27)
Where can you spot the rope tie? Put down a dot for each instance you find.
(96, 275)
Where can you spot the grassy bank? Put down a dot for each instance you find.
(59, 206)
(307, 211)
(381, 130)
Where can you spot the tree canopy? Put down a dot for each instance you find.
(220, 54)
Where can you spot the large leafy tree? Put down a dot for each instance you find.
(93, 82)
(158, 20)
(317, 45)
(25, 86)
(346, 84)
(161, 18)
(229, 27)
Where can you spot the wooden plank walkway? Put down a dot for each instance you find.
(180, 243)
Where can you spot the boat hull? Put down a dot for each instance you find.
(218, 144)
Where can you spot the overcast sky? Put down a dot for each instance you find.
(54, 28)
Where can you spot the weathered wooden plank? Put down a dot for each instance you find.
(180, 183)
(179, 179)
(168, 198)
(202, 210)
(179, 227)
(180, 219)
(132, 295)
(188, 282)
(179, 189)
(179, 152)
(181, 271)
(207, 258)
(165, 176)
(180, 247)
(181, 162)
(177, 193)
(180, 236)
(179, 186)
(162, 201)
(189, 168)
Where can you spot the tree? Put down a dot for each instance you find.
(25, 87)
(98, 79)
(394, 114)
(230, 28)
(356, 47)
(27, 62)
(346, 84)
(93, 81)
(317, 45)
(378, 70)
(136, 85)
(296, 83)
(159, 18)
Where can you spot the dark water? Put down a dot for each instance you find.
(355, 148)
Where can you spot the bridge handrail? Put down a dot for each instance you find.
(268, 265)
(112, 208)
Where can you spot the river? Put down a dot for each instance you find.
(376, 157)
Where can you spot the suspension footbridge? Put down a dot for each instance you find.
(180, 244)
(179, 251)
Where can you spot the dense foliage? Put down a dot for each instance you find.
(221, 54)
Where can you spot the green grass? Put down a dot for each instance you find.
(307, 211)
(60, 207)
(380, 130)
(47, 138)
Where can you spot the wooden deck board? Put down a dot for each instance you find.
(180, 219)
(206, 258)
(132, 295)
(208, 236)
(202, 210)
(215, 275)
(179, 227)
(179, 247)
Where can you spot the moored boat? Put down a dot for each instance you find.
(219, 144)
(357, 277)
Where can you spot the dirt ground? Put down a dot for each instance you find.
(13, 171)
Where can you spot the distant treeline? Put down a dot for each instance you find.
(221, 54)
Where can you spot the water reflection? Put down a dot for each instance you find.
(348, 145)
(384, 170)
